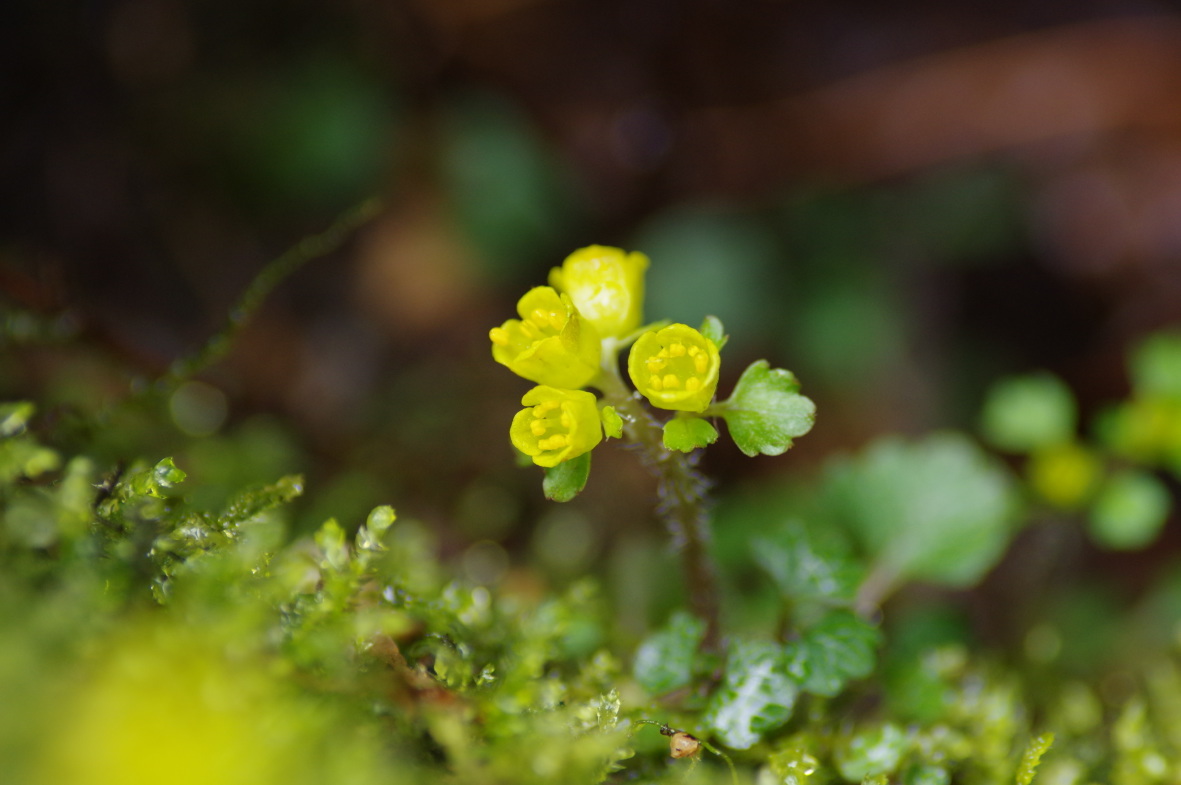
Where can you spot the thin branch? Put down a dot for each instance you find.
(306, 250)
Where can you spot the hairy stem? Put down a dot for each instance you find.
(683, 506)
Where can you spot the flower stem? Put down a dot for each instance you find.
(683, 506)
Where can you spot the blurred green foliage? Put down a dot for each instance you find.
(190, 619)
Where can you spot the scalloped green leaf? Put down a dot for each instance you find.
(566, 480)
(665, 660)
(807, 569)
(756, 696)
(839, 648)
(939, 509)
(686, 434)
(766, 412)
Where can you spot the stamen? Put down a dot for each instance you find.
(499, 336)
(662, 353)
(566, 420)
(538, 427)
(557, 320)
(655, 364)
(701, 362)
(692, 384)
(555, 442)
(671, 381)
(694, 351)
(677, 349)
(655, 383)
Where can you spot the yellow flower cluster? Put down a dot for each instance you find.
(566, 338)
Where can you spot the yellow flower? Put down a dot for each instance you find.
(557, 426)
(606, 286)
(675, 368)
(550, 344)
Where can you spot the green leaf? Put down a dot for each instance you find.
(766, 412)
(1130, 510)
(1027, 412)
(14, 417)
(1155, 366)
(1032, 757)
(252, 502)
(664, 661)
(712, 329)
(938, 510)
(919, 774)
(566, 480)
(612, 422)
(806, 568)
(756, 696)
(688, 433)
(331, 541)
(872, 752)
(369, 536)
(792, 762)
(23, 457)
(839, 648)
(155, 481)
(380, 520)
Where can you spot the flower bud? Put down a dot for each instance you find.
(606, 286)
(557, 426)
(550, 344)
(675, 368)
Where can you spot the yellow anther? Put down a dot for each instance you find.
(499, 336)
(671, 381)
(694, 351)
(654, 364)
(701, 363)
(537, 426)
(692, 384)
(566, 420)
(539, 317)
(548, 406)
(677, 349)
(555, 442)
(655, 383)
(662, 353)
(557, 320)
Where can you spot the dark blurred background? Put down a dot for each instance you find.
(898, 201)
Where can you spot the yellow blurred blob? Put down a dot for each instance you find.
(165, 705)
(1064, 475)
